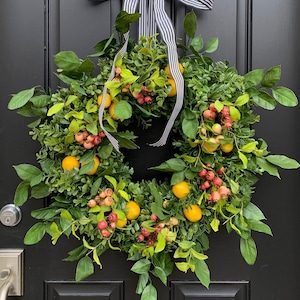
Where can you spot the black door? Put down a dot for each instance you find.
(253, 34)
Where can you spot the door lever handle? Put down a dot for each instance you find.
(5, 283)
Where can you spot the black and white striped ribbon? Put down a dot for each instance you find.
(154, 14)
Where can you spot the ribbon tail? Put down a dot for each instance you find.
(129, 6)
(201, 4)
(167, 31)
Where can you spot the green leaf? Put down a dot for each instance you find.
(84, 268)
(197, 43)
(186, 245)
(29, 173)
(190, 127)
(212, 45)
(260, 227)
(241, 100)
(171, 165)
(254, 77)
(86, 66)
(264, 100)
(283, 161)
(202, 272)
(123, 21)
(214, 224)
(45, 213)
(123, 110)
(198, 255)
(190, 24)
(141, 266)
(112, 180)
(177, 177)
(142, 282)
(21, 193)
(248, 250)
(182, 266)
(251, 211)
(55, 109)
(285, 96)
(35, 234)
(268, 167)
(40, 191)
(271, 77)
(235, 113)
(66, 215)
(250, 147)
(67, 61)
(243, 158)
(20, 99)
(160, 273)
(161, 243)
(149, 293)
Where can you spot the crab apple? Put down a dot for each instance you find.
(154, 217)
(102, 224)
(150, 243)
(105, 233)
(112, 217)
(224, 192)
(140, 238)
(137, 95)
(88, 145)
(108, 201)
(225, 111)
(144, 89)
(228, 125)
(217, 181)
(202, 173)
(212, 107)
(108, 192)
(217, 128)
(97, 140)
(118, 70)
(148, 99)
(145, 232)
(215, 196)
(113, 225)
(173, 221)
(205, 185)
(90, 138)
(210, 175)
(140, 100)
(79, 137)
(221, 171)
(92, 203)
(102, 134)
(208, 114)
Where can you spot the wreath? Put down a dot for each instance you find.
(208, 183)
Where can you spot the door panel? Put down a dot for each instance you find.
(32, 32)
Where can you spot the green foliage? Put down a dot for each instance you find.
(214, 134)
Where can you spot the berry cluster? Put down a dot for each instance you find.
(213, 185)
(212, 114)
(103, 198)
(106, 227)
(89, 140)
(144, 96)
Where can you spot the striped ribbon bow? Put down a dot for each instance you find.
(153, 15)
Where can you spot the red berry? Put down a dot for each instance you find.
(217, 181)
(150, 243)
(212, 107)
(202, 173)
(141, 100)
(225, 111)
(148, 99)
(208, 114)
(113, 225)
(154, 217)
(215, 196)
(145, 232)
(112, 217)
(210, 175)
(102, 224)
(105, 233)
(97, 140)
(221, 171)
(140, 238)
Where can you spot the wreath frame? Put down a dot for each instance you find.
(216, 146)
